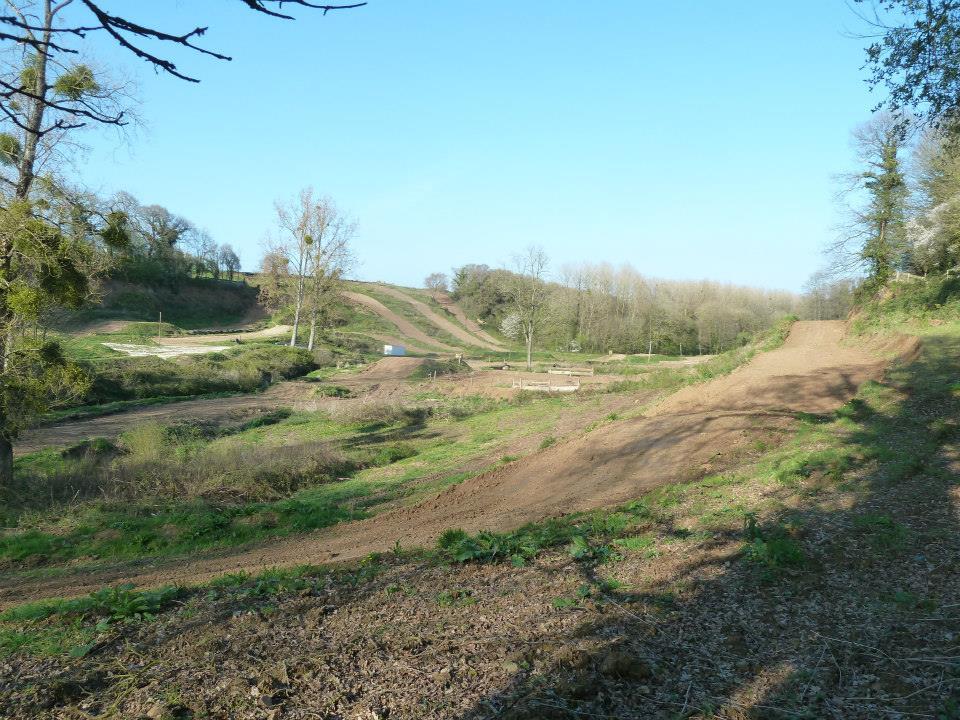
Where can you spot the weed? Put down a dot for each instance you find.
(771, 546)
(548, 441)
(884, 532)
(456, 598)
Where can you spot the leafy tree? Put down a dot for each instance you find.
(875, 238)
(917, 56)
(934, 231)
(228, 260)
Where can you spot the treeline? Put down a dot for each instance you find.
(600, 308)
(163, 247)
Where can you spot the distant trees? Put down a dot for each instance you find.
(826, 297)
(228, 260)
(306, 258)
(596, 307)
(163, 247)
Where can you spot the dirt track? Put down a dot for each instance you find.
(438, 321)
(381, 379)
(402, 324)
(450, 306)
(687, 434)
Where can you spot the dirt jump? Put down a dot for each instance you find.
(688, 434)
(405, 327)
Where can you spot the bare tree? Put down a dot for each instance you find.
(329, 258)
(436, 281)
(528, 292)
(315, 238)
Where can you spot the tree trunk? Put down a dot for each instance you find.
(529, 347)
(6, 463)
(25, 170)
(298, 305)
(313, 329)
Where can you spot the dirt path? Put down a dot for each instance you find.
(447, 303)
(220, 410)
(686, 435)
(227, 337)
(440, 322)
(405, 327)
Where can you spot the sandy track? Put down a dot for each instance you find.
(447, 303)
(440, 322)
(685, 435)
(405, 327)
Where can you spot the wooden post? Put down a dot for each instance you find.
(160, 326)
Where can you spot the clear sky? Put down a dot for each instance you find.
(691, 139)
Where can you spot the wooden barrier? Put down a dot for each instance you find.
(576, 372)
(545, 385)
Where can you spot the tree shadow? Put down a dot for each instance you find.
(862, 624)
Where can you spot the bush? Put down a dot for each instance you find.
(439, 367)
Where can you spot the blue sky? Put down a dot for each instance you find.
(691, 139)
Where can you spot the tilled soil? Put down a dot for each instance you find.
(691, 433)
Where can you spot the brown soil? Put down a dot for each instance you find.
(447, 303)
(438, 321)
(405, 327)
(693, 432)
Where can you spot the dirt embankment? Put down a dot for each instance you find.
(693, 432)
(405, 327)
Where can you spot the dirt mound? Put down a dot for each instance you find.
(439, 322)
(447, 303)
(389, 368)
(405, 327)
